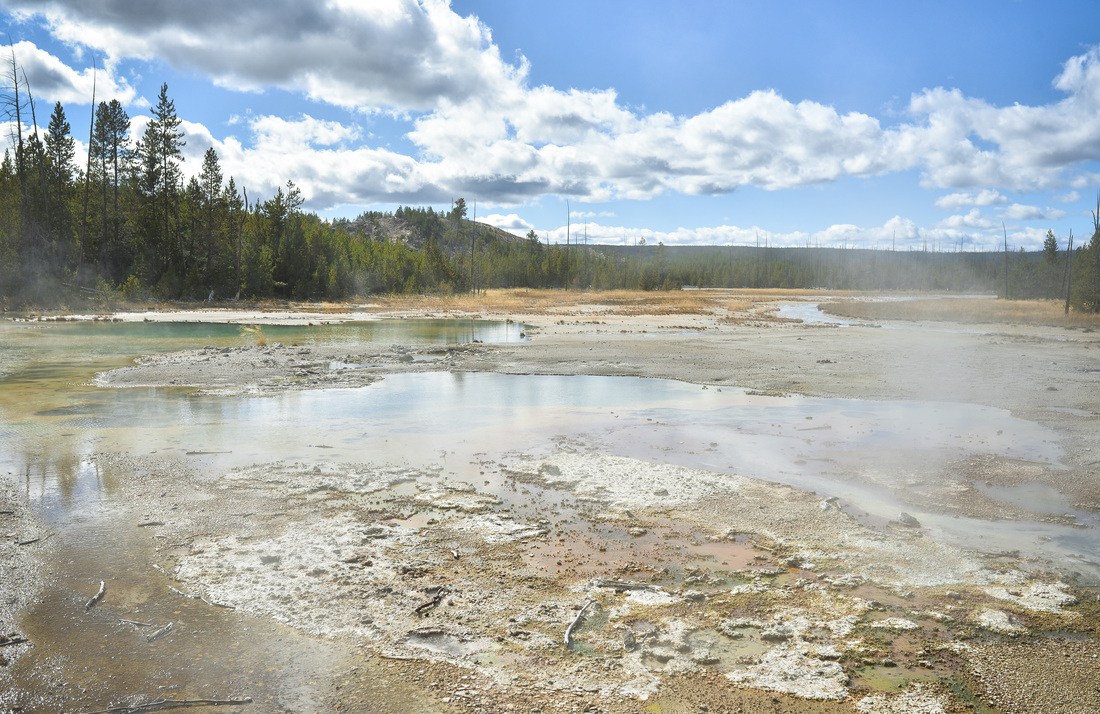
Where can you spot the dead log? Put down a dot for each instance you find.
(573, 625)
(97, 597)
(624, 585)
(200, 598)
(36, 539)
(154, 636)
(424, 607)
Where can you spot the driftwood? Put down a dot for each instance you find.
(755, 544)
(624, 585)
(200, 598)
(161, 704)
(424, 607)
(153, 636)
(7, 513)
(573, 625)
(134, 622)
(149, 524)
(97, 597)
(13, 639)
(35, 540)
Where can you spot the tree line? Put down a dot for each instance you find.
(132, 222)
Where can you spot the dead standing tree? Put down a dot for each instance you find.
(87, 180)
(31, 238)
(13, 111)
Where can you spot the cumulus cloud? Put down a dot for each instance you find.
(1021, 212)
(51, 80)
(898, 233)
(479, 129)
(969, 142)
(986, 197)
(511, 222)
(321, 157)
(394, 54)
(971, 219)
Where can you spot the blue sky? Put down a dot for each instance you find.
(862, 124)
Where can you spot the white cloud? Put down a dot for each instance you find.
(1071, 197)
(967, 142)
(591, 214)
(971, 219)
(986, 197)
(319, 156)
(391, 54)
(480, 130)
(511, 222)
(898, 233)
(1020, 212)
(51, 80)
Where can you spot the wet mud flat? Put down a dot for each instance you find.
(555, 580)
(591, 567)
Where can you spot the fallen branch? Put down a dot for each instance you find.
(97, 597)
(35, 540)
(624, 585)
(399, 658)
(200, 598)
(7, 513)
(756, 544)
(153, 636)
(149, 524)
(134, 622)
(84, 289)
(433, 603)
(162, 704)
(9, 640)
(573, 625)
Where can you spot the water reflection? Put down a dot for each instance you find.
(55, 430)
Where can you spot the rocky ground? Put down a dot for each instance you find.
(568, 579)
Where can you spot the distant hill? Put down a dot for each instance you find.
(416, 227)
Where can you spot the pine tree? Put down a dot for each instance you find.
(60, 169)
(210, 181)
(161, 152)
(112, 159)
(235, 210)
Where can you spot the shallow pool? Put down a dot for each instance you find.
(54, 427)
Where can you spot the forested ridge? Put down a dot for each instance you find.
(135, 221)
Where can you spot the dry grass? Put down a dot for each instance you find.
(610, 302)
(969, 310)
(256, 333)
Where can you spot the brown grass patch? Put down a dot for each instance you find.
(611, 302)
(968, 310)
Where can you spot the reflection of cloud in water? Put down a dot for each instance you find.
(866, 452)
